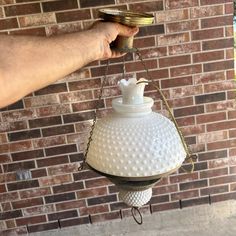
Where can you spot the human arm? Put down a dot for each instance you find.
(28, 63)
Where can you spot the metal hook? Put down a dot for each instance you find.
(133, 209)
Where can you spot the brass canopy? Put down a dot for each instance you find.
(128, 18)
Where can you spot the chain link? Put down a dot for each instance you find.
(98, 102)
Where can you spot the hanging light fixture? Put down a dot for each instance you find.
(134, 147)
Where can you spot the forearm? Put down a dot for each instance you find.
(30, 63)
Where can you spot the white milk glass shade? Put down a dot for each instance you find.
(135, 143)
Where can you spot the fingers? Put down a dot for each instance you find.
(126, 31)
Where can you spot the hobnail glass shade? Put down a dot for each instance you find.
(134, 141)
(135, 144)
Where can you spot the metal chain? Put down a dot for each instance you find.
(189, 156)
(82, 165)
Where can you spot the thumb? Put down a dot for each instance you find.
(126, 31)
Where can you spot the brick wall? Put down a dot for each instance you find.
(189, 50)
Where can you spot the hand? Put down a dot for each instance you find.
(107, 32)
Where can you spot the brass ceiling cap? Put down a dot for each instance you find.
(128, 18)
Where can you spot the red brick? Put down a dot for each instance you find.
(7, 177)
(229, 31)
(220, 106)
(181, 81)
(5, 2)
(208, 56)
(13, 126)
(221, 126)
(62, 215)
(84, 84)
(202, 12)
(185, 70)
(183, 178)
(37, 20)
(213, 172)
(174, 61)
(217, 163)
(194, 202)
(147, 6)
(37, 173)
(60, 197)
(195, 129)
(214, 190)
(61, 150)
(97, 183)
(212, 137)
(217, 44)
(10, 214)
(5, 158)
(10, 196)
(221, 65)
(27, 203)
(174, 4)
(212, 2)
(209, 118)
(188, 101)
(73, 16)
(212, 155)
(93, 210)
(173, 39)
(14, 147)
(193, 110)
(70, 205)
(90, 105)
(182, 26)
(151, 30)
(153, 52)
(49, 141)
(221, 86)
(63, 169)
(42, 227)
(216, 21)
(101, 200)
(137, 66)
(44, 209)
(222, 144)
(24, 9)
(173, 15)
(39, 31)
(13, 116)
(2, 188)
(193, 184)
(52, 161)
(213, 97)
(54, 180)
(184, 195)
(186, 121)
(209, 77)
(22, 185)
(76, 117)
(165, 189)
(141, 43)
(75, 96)
(91, 192)
(59, 5)
(184, 48)
(74, 221)
(154, 74)
(222, 180)
(229, 8)
(232, 133)
(68, 187)
(63, 28)
(37, 192)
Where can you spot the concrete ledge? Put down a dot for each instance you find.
(218, 219)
